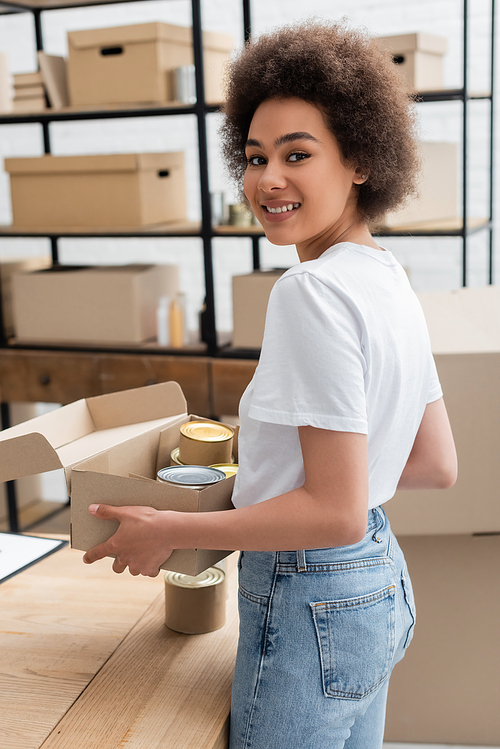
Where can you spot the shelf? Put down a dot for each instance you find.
(451, 227)
(104, 112)
(31, 5)
(448, 228)
(186, 229)
(149, 348)
(238, 231)
(451, 94)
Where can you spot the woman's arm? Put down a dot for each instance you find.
(329, 509)
(432, 463)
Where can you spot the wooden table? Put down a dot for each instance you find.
(86, 662)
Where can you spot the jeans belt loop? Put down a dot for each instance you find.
(301, 561)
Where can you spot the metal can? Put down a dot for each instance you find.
(174, 458)
(229, 468)
(185, 84)
(205, 443)
(195, 605)
(190, 476)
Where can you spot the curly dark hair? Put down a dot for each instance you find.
(363, 97)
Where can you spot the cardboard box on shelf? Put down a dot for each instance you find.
(7, 269)
(455, 581)
(250, 297)
(419, 57)
(30, 104)
(109, 190)
(111, 447)
(465, 337)
(437, 198)
(22, 80)
(133, 64)
(102, 304)
(29, 93)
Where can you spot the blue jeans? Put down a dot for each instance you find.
(320, 631)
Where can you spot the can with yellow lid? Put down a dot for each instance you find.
(230, 469)
(195, 605)
(205, 443)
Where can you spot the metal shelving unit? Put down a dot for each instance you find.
(203, 230)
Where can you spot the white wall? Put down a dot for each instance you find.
(433, 263)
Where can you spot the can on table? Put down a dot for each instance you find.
(190, 476)
(205, 443)
(195, 605)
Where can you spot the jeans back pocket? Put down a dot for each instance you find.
(356, 642)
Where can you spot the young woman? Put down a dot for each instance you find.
(345, 405)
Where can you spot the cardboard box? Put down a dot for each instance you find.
(7, 269)
(419, 57)
(128, 64)
(109, 190)
(28, 488)
(22, 80)
(29, 104)
(110, 447)
(446, 690)
(465, 337)
(437, 198)
(250, 298)
(102, 304)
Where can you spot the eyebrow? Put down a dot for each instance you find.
(282, 139)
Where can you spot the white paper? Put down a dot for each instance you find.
(18, 552)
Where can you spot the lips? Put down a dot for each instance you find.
(279, 211)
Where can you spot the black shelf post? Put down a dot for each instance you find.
(206, 212)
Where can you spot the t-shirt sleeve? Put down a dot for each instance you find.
(435, 390)
(311, 369)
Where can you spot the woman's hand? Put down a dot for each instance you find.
(139, 543)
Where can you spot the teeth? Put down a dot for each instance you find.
(284, 208)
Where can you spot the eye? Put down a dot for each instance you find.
(256, 161)
(298, 156)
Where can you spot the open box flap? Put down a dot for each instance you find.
(82, 429)
(31, 447)
(137, 405)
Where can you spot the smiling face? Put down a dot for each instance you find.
(298, 184)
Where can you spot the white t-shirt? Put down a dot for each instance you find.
(345, 348)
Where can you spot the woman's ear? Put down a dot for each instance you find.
(360, 176)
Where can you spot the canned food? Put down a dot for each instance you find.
(206, 431)
(205, 443)
(185, 84)
(229, 468)
(174, 458)
(191, 476)
(195, 605)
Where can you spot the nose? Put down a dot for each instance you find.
(272, 176)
